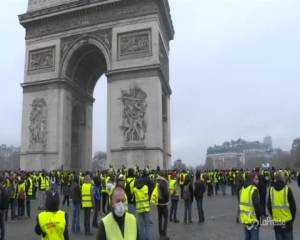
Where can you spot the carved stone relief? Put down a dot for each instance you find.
(41, 60)
(38, 123)
(134, 126)
(134, 44)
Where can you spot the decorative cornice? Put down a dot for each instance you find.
(85, 13)
(58, 9)
(143, 148)
(137, 72)
(57, 83)
(37, 153)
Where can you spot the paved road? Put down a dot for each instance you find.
(220, 213)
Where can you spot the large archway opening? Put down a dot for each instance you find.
(85, 67)
(100, 124)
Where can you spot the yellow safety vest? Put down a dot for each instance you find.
(29, 193)
(154, 195)
(142, 199)
(86, 195)
(247, 211)
(182, 178)
(280, 205)
(21, 191)
(47, 182)
(53, 224)
(36, 182)
(131, 182)
(43, 183)
(104, 181)
(112, 229)
(173, 187)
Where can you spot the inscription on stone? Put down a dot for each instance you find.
(38, 123)
(133, 116)
(134, 44)
(42, 60)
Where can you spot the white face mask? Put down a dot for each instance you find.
(119, 209)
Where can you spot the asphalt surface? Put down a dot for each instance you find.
(220, 215)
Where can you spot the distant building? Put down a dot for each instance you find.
(178, 164)
(268, 142)
(9, 157)
(100, 161)
(295, 152)
(235, 154)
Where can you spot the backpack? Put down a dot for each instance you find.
(186, 193)
(128, 192)
(4, 199)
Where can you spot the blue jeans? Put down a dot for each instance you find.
(223, 188)
(283, 235)
(187, 211)
(252, 234)
(144, 225)
(76, 217)
(200, 210)
(131, 208)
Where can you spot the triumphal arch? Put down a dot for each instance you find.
(70, 44)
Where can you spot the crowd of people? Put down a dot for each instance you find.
(123, 199)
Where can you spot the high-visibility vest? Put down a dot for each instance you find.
(21, 191)
(202, 177)
(182, 177)
(43, 183)
(142, 199)
(247, 211)
(152, 177)
(173, 187)
(112, 229)
(209, 177)
(104, 181)
(86, 195)
(280, 205)
(131, 182)
(47, 182)
(29, 193)
(154, 195)
(36, 182)
(53, 224)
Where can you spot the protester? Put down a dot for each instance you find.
(282, 207)
(188, 194)
(199, 190)
(250, 209)
(52, 224)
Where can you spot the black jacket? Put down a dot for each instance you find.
(199, 189)
(163, 192)
(289, 225)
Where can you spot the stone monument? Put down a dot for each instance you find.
(69, 45)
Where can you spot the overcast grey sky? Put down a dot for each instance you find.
(234, 73)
